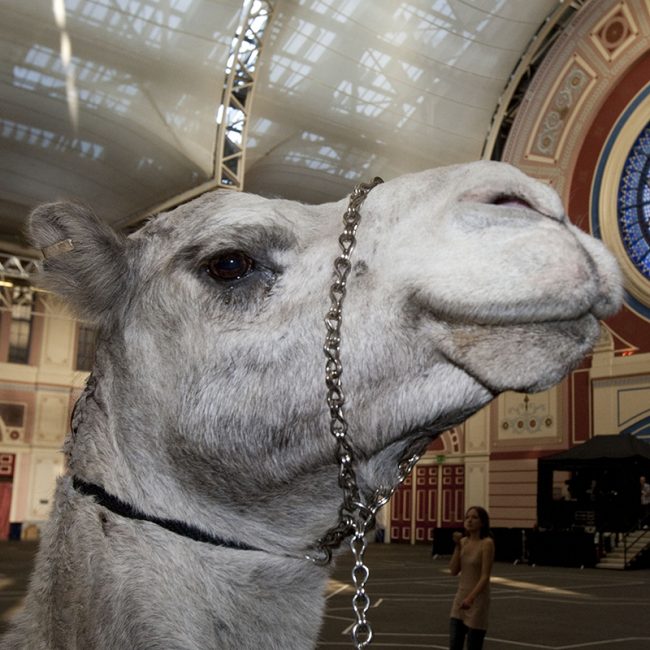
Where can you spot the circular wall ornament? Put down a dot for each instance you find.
(621, 189)
(634, 204)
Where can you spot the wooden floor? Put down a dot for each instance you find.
(532, 607)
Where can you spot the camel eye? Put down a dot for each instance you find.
(229, 266)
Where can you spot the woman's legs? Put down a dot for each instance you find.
(475, 639)
(457, 632)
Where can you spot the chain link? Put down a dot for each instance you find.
(356, 518)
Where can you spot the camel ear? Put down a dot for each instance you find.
(85, 261)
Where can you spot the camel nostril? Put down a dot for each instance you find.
(511, 200)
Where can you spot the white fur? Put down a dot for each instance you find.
(207, 402)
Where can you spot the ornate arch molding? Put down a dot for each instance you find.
(590, 81)
(621, 187)
(449, 442)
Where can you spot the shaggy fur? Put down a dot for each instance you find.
(207, 401)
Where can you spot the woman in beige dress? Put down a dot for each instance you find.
(473, 558)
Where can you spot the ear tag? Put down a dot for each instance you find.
(57, 249)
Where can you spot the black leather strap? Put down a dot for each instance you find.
(124, 509)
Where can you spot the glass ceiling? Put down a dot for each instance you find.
(353, 89)
(109, 101)
(114, 102)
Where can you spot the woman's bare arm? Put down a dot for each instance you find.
(454, 564)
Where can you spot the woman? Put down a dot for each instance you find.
(473, 558)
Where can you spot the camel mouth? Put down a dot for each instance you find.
(466, 353)
(468, 347)
(533, 356)
(515, 314)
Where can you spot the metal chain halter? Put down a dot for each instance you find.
(356, 518)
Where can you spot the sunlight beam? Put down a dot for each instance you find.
(58, 8)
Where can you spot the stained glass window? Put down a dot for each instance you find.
(634, 204)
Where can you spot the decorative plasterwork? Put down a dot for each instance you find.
(51, 418)
(604, 38)
(522, 421)
(526, 418)
(615, 32)
(560, 111)
(515, 92)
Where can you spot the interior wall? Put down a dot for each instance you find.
(569, 121)
(36, 401)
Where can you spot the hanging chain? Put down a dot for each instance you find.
(364, 522)
(356, 518)
(334, 369)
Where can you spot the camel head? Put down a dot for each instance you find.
(210, 396)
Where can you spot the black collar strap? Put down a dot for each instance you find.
(123, 509)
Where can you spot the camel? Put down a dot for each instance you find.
(206, 407)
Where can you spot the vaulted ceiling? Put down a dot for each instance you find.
(115, 102)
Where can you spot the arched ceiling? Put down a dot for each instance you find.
(110, 102)
(114, 102)
(354, 89)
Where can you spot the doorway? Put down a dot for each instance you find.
(433, 496)
(6, 484)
